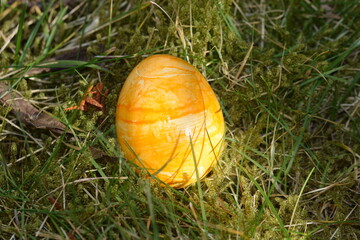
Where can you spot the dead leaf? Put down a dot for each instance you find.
(27, 113)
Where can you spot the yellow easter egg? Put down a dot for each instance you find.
(169, 121)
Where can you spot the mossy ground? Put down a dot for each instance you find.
(286, 74)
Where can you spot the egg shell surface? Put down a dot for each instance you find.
(168, 120)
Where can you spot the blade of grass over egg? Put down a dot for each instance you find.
(172, 156)
(200, 192)
(153, 176)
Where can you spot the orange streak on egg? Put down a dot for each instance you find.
(165, 109)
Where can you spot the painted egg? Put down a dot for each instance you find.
(169, 121)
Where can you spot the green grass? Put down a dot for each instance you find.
(286, 74)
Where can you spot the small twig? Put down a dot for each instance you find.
(244, 61)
